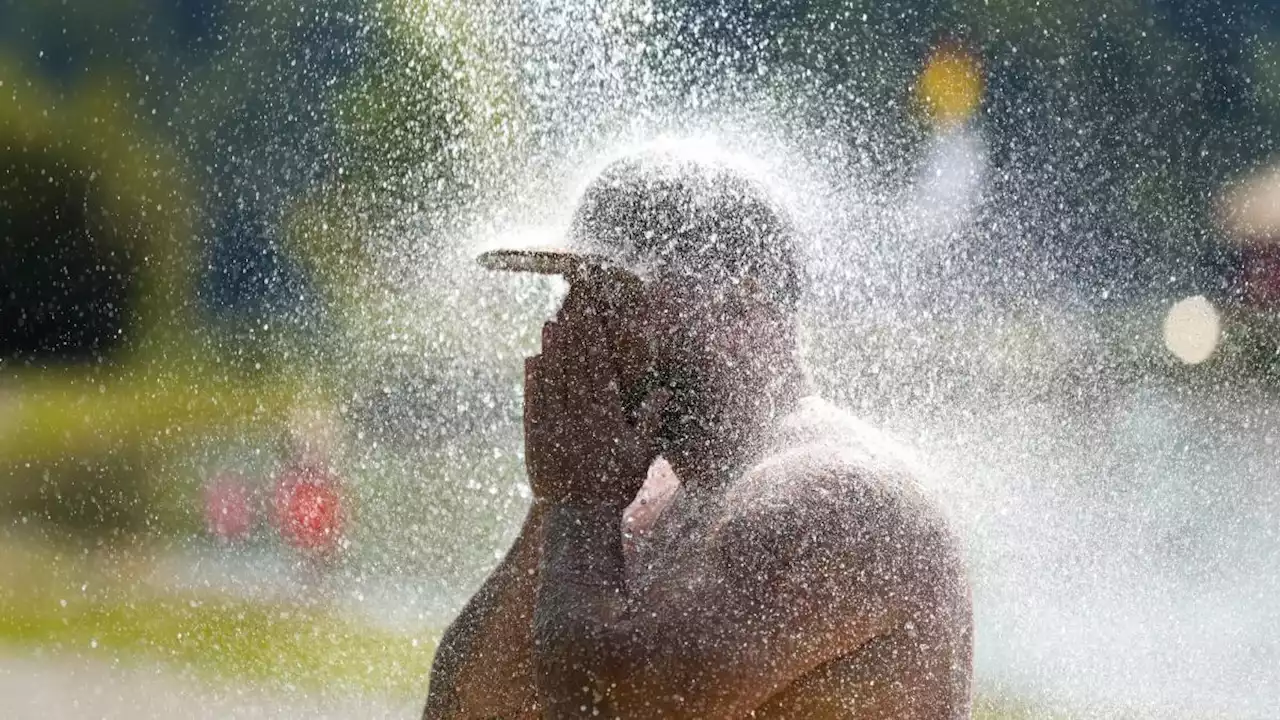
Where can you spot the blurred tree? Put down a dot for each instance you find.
(95, 230)
(242, 90)
(418, 129)
(96, 240)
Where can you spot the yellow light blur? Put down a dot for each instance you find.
(950, 86)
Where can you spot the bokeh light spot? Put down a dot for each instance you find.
(1192, 329)
(950, 86)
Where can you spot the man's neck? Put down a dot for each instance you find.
(733, 418)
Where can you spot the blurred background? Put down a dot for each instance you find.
(259, 411)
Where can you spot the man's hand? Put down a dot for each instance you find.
(580, 449)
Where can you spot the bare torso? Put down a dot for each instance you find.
(829, 480)
(920, 669)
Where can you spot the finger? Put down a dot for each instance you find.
(548, 335)
(577, 332)
(551, 379)
(586, 299)
(543, 404)
(559, 361)
(598, 363)
(543, 366)
(532, 402)
(576, 301)
(583, 358)
(594, 363)
(533, 413)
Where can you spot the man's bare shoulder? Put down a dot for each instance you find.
(836, 497)
(824, 455)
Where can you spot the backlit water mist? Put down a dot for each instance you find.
(260, 410)
(1120, 510)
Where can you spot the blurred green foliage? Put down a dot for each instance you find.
(82, 603)
(100, 452)
(74, 437)
(164, 130)
(136, 193)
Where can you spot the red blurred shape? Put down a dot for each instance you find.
(308, 507)
(226, 507)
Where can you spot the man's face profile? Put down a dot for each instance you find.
(674, 330)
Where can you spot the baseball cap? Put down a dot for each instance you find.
(699, 216)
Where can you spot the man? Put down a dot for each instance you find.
(777, 558)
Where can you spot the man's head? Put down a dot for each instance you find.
(703, 277)
(715, 256)
(697, 218)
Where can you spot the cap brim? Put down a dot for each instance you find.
(543, 261)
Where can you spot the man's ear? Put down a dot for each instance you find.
(650, 415)
(633, 398)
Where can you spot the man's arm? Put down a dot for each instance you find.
(814, 554)
(794, 581)
(483, 666)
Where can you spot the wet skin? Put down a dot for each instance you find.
(706, 541)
